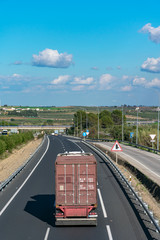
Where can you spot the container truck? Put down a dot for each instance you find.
(75, 189)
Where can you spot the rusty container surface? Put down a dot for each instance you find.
(76, 184)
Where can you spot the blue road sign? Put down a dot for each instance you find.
(131, 134)
(84, 134)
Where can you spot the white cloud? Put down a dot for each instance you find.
(15, 75)
(125, 77)
(79, 80)
(139, 81)
(154, 33)
(126, 88)
(151, 65)
(61, 79)
(143, 82)
(78, 88)
(13, 78)
(105, 81)
(154, 83)
(51, 58)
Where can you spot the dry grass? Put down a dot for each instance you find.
(16, 159)
(153, 205)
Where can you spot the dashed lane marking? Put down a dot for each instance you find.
(109, 232)
(102, 203)
(47, 233)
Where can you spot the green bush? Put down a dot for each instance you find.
(14, 140)
(17, 139)
(2, 146)
(10, 143)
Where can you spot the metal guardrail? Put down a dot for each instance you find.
(8, 180)
(125, 142)
(97, 150)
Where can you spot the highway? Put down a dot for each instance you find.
(37, 127)
(27, 204)
(147, 162)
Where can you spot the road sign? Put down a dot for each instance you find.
(84, 134)
(87, 132)
(116, 147)
(131, 134)
(153, 141)
(152, 136)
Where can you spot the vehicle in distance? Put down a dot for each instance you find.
(76, 189)
(5, 132)
(56, 132)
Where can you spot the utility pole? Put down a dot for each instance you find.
(81, 124)
(74, 128)
(86, 120)
(98, 122)
(77, 124)
(158, 130)
(122, 125)
(137, 126)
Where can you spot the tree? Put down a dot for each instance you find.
(105, 119)
(104, 113)
(117, 117)
(92, 120)
(80, 118)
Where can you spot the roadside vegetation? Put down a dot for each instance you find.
(110, 120)
(9, 142)
(110, 127)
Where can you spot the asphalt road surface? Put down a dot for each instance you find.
(27, 204)
(147, 162)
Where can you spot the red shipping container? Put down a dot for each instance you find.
(76, 188)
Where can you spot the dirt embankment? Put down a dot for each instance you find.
(17, 158)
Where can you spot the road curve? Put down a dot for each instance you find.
(147, 162)
(29, 215)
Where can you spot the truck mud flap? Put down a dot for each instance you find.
(76, 221)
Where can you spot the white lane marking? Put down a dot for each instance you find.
(109, 232)
(11, 199)
(141, 164)
(47, 233)
(102, 204)
(77, 145)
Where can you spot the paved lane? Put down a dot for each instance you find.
(30, 214)
(147, 162)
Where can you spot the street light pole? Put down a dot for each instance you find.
(98, 122)
(137, 126)
(81, 123)
(77, 124)
(86, 120)
(122, 125)
(158, 130)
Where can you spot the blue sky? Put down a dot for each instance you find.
(92, 53)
